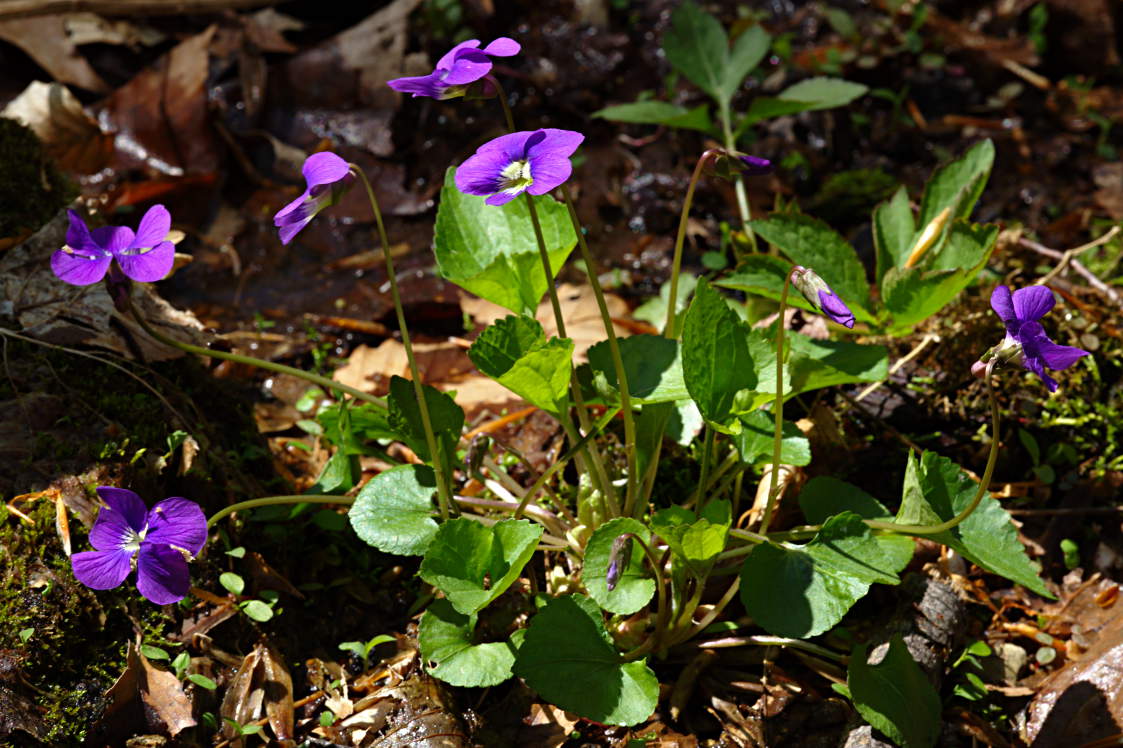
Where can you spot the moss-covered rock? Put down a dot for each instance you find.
(32, 189)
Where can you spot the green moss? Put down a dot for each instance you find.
(32, 190)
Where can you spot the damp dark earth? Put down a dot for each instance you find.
(566, 373)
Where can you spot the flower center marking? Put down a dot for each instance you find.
(515, 176)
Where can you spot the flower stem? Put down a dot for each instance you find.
(984, 482)
(704, 471)
(661, 612)
(617, 358)
(502, 96)
(680, 238)
(598, 472)
(325, 382)
(444, 489)
(739, 182)
(777, 410)
(277, 501)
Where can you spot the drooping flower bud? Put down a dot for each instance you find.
(728, 164)
(820, 295)
(618, 559)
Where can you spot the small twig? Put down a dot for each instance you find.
(1068, 257)
(929, 338)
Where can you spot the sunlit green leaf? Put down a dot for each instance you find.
(448, 647)
(514, 352)
(636, 587)
(569, 659)
(394, 510)
(491, 250)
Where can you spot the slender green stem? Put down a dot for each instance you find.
(546, 518)
(559, 463)
(806, 531)
(711, 614)
(502, 96)
(738, 182)
(984, 482)
(598, 471)
(762, 640)
(444, 488)
(777, 409)
(326, 383)
(276, 501)
(680, 239)
(704, 473)
(617, 359)
(661, 611)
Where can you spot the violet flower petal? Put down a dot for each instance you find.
(291, 230)
(126, 503)
(113, 238)
(503, 47)
(449, 58)
(150, 265)
(755, 165)
(502, 198)
(1035, 364)
(78, 234)
(556, 141)
(112, 532)
(548, 171)
(324, 168)
(154, 227)
(1002, 304)
(80, 267)
(178, 522)
(101, 570)
(1033, 302)
(469, 67)
(162, 573)
(431, 85)
(1059, 357)
(480, 173)
(834, 308)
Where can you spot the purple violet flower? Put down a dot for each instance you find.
(328, 177)
(163, 536)
(145, 256)
(821, 296)
(462, 65)
(534, 161)
(1026, 342)
(755, 165)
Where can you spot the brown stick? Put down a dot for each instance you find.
(24, 8)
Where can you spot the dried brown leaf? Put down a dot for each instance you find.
(70, 135)
(44, 39)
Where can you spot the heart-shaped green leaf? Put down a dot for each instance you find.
(491, 250)
(473, 564)
(445, 638)
(514, 352)
(569, 659)
(394, 510)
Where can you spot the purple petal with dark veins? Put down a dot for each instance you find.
(179, 522)
(162, 574)
(126, 503)
(449, 58)
(80, 267)
(1002, 304)
(324, 168)
(431, 85)
(113, 238)
(1033, 302)
(150, 265)
(101, 570)
(1059, 357)
(78, 234)
(153, 228)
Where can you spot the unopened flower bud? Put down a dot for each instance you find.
(820, 295)
(618, 559)
(728, 164)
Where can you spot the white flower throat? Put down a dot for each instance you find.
(515, 176)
